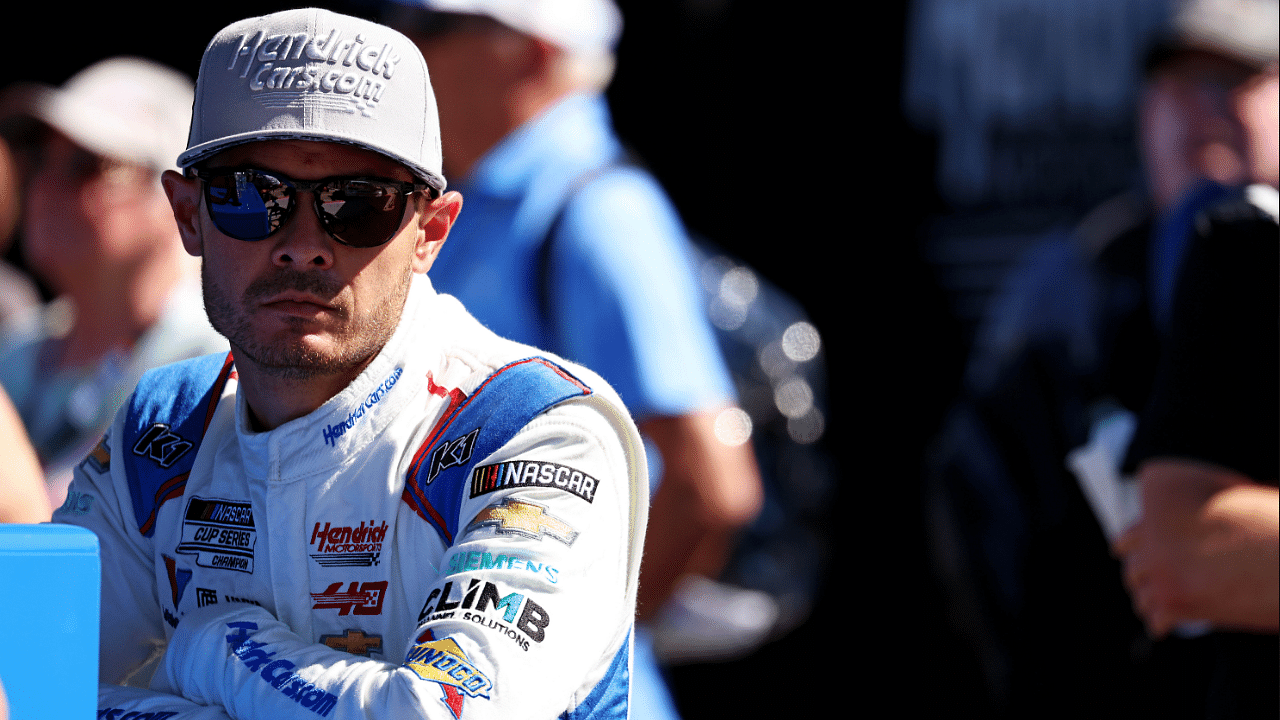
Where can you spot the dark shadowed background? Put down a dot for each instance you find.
(782, 134)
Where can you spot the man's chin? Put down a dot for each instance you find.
(302, 359)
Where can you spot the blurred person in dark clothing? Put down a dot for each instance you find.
(1027, 475)
(1206, 549)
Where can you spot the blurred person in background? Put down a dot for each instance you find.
(1205, 552)
(569, 246)
(96, 228)
(1209, 122)
(19, 297)
(22, 493)
(1026, 475)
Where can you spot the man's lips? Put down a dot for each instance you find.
(298, 305)
(304, 295)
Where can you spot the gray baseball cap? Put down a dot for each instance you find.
(312, 74)
(1246, 31)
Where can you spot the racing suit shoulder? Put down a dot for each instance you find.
(141, 461)
(536, 482)
(476, 425)
(164, 423)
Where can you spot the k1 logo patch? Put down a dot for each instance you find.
(451, 454)
(161, 445)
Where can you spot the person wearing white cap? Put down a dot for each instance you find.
(97, 229)
(569, 245)
(373, 506)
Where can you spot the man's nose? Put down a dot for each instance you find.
(303, 243)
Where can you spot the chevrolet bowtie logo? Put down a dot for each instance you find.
(353, 641)
(524, 518)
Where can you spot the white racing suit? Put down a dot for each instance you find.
(457, 535)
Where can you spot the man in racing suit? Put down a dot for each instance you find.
(373, 506)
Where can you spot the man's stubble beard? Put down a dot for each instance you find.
(290, 358)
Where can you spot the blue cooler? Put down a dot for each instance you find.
(50, 671)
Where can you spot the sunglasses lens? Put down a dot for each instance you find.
(362, 213)
(247, 205)
(251, 205)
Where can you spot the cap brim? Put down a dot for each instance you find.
(200, 153)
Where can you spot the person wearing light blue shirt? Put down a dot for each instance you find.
(615, 287)
(567, 244)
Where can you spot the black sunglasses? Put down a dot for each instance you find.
(252, 204)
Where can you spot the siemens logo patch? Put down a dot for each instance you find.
(476, 560)
(278, 673)
(526, 473)
(220, 533)
(337, 430)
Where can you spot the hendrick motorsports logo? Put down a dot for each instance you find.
(220, 533)
(347, 546)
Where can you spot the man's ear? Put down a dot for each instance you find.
(434, 223)
(184, 198)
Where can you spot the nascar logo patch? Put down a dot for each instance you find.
(528, 474)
